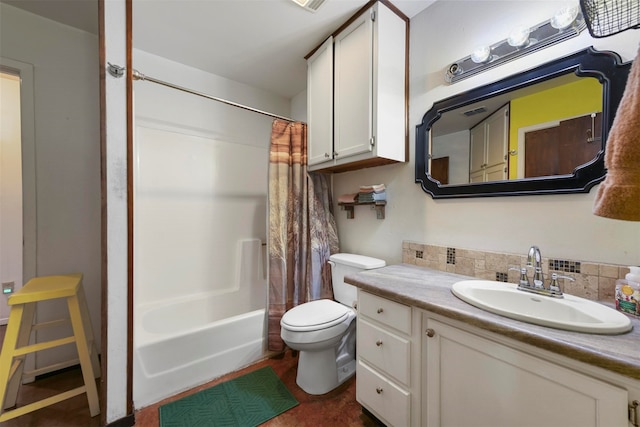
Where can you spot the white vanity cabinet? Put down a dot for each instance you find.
(473, 380)
(362, 122)
(386, 381)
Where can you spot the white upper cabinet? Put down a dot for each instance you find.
(353, 83)
(368, 102)
(320, 111)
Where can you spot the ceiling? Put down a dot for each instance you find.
(261, 43)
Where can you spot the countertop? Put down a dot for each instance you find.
(430, 290)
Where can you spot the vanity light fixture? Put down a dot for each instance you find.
(481, 54)
(566, 23)
(519, 36)
(564, 17)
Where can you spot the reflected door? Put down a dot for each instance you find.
(560, 149)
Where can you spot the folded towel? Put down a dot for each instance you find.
(376, 188)
(618, 196)
(372, 197)
(347, 198)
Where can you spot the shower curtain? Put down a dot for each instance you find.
(302, 229)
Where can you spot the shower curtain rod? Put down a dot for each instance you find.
(139, 76)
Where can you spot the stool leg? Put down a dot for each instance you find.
(86, 320)
(17, 336)
(83, 354)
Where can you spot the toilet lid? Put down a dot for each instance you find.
(314, 315)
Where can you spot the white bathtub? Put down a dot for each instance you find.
(185, 342)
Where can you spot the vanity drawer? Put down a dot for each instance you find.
(390, 313)
(386, 351)
(382, 397)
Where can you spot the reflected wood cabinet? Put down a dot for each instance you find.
(357, 91)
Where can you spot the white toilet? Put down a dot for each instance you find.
(324, 331)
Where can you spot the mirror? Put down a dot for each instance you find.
(542, 131)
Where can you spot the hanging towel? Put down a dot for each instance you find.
(618, 196)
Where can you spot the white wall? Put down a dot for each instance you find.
(67, 152)
(456, 146)
(561, 225)
(299, 106)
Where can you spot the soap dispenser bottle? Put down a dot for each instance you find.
(628, 292)
(633, 275)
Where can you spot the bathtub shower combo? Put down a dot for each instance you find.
(200, 284)
(200, 188)
(183, 342)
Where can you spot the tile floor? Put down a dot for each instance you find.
(336, 408)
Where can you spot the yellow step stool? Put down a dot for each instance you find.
(16, 342)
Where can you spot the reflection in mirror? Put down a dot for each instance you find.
(544, 129)
(540, 131)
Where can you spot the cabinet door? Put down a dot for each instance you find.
(497, 138)
(320, 104)
(477, 149)
(353, 80)
(496, 173)
(472, 381)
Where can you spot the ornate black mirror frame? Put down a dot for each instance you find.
(606, 66)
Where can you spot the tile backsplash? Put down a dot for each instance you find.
(593, 281)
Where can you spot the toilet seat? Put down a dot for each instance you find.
(315, 315)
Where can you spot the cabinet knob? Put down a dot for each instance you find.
(379, 343)
(430, 332)
(326, 155)
(380, 310)
(379, 390)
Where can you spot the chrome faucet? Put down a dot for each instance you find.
(534, 261)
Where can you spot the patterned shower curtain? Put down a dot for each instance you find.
(302, 229)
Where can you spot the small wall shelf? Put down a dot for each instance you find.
(378, 206)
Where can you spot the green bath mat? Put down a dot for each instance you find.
(246, 401)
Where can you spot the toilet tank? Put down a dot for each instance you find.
(343, 264)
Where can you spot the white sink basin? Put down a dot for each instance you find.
(569, 313)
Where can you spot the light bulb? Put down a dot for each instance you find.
(564, 17)
(480, 54)
(519, 36)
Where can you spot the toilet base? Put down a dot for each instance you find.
(319, 372)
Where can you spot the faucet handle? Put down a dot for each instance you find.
(553, 286)
(524, 280)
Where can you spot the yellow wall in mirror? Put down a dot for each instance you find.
(574, 99)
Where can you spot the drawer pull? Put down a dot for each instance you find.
(430, 332)
(380, 310)
(633, 413)
(379, 390)
(379, 343)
